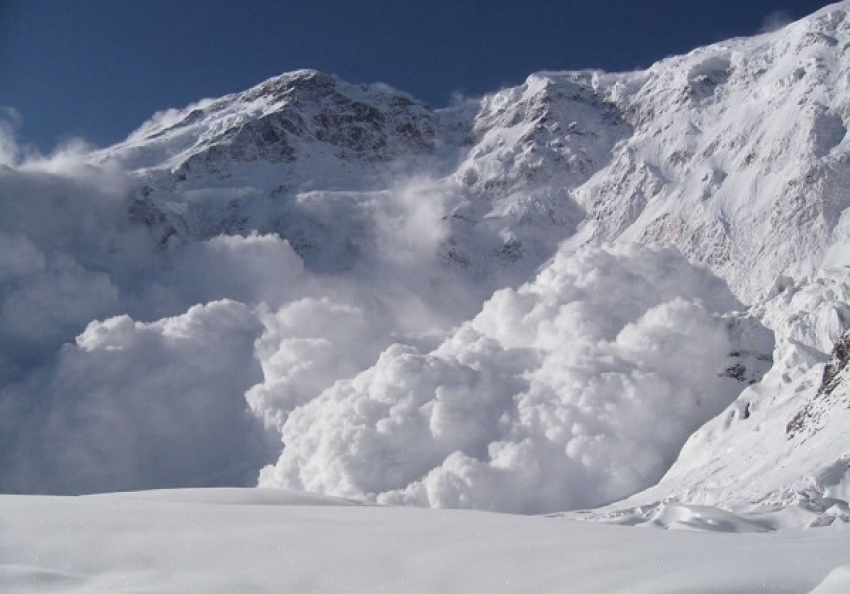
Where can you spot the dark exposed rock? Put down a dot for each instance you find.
(809, 418)
(736, 371)
(311, 106)
(840, 357)
(511, 250)
(142, 211)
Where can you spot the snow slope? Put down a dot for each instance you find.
(784, 442)
(739, 156)
(224, 540)
(698, 151)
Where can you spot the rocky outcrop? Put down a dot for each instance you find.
(832, 393)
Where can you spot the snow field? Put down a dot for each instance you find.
(222, 540)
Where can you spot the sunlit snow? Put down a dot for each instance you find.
(621, 299)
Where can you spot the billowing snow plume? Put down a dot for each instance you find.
(138, 405)
(126, 364)
(782, 445)
(573, 390)
(132, 365)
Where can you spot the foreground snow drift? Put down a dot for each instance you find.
(231, 540)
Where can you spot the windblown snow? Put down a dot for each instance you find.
(587, 288)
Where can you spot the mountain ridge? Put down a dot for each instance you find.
(530, 152)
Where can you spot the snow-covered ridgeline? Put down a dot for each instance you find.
(735, 153)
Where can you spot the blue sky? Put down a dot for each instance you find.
(98, 68)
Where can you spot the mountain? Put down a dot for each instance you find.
(696, 151)
(461, 307)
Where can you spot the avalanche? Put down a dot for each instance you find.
(620, 291)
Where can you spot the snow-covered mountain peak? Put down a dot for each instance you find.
(435, 300)
(275, 121)
(695, 151)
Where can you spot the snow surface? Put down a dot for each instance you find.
(257, 540)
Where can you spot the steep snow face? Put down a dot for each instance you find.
(530, 146)
(275, 119)
(785, 442)
(737, 154)
(740, 155)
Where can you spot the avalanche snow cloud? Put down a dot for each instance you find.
(576, 389)
(334, 287)
(126, 365)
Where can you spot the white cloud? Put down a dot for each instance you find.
(135, 405)
(19, 257)
(307, 345)
(126, 364)
(9, 121)
(573, 390)
(776, 20)
(254, 269)
(62, 238)
(70, 257)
